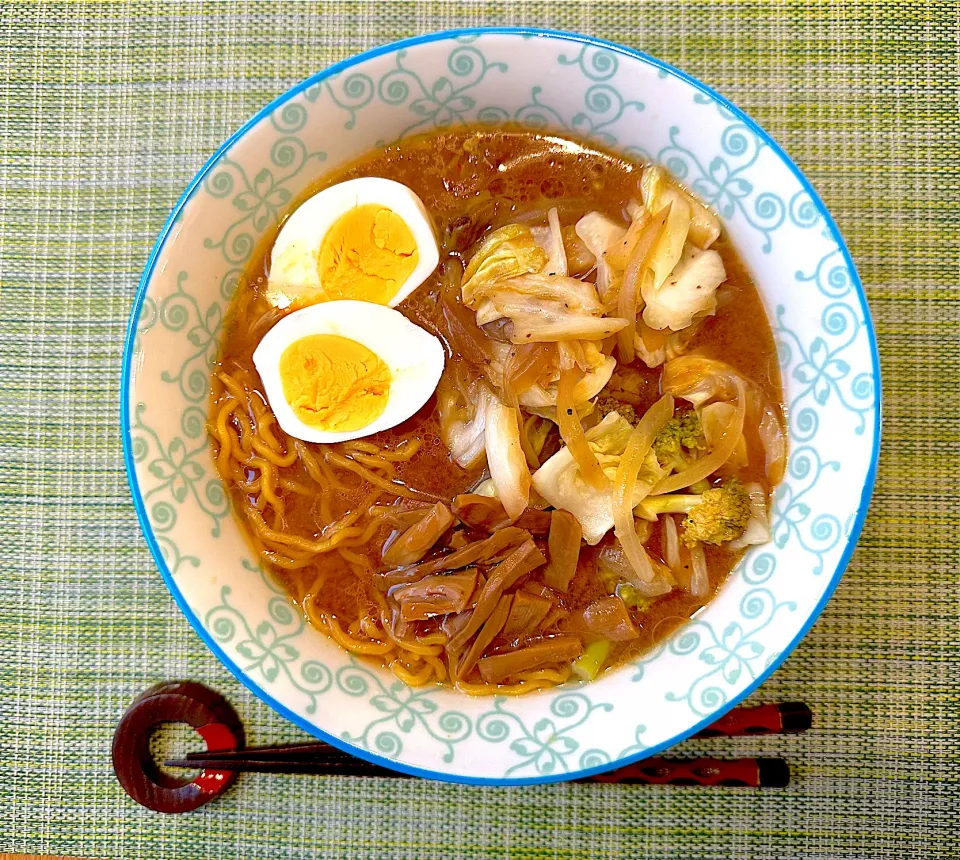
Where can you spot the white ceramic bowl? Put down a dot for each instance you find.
(572, 85)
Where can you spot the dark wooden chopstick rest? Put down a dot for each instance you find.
(215, 721)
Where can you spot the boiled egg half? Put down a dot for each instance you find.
(367, 239)
(344, 369)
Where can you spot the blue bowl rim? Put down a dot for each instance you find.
(138, 502)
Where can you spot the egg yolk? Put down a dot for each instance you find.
(334, 383)
(367, 255)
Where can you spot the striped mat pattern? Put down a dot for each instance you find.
(106, 112)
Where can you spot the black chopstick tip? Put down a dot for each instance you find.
(795, 716)
(773, 772)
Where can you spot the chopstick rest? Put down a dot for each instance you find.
(209, 713)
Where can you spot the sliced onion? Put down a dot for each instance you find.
(507, 392)
(598, 233)
(533, 461)
(698, 379)
(708, 464)
(626, 482)
(671, 543)
(550, 327)
(657, 189)
(461, 332)
(774, 443)
(699, 580)
(636, 270)
(580, 261)
(758, 526)
(505, 459)
(667, 252)
(571, 430)
(574, 294)
(462, 407)
(714, 418)
(525, 364)
(557, 263)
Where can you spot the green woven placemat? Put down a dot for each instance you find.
(105, 115)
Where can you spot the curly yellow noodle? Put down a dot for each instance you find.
(361, 445)
(403, 452)
(316, 474)
(409, 678)
(375, 462)
(246, 431)
(369, 628)
(314, 588)
(380, 600)
(355, 559)
(414, 646)
(225, 437)
(336, 459)
(528, 682)
(278, 521)
(268, 482)
(355, 646)
(329, 474)
(439, 670)
(368, 533)
(275, 457)
(315, 546)
(236, 389)
(252, 487)
(310, 463)
(295, 487)
(286, 562)
(264, 425)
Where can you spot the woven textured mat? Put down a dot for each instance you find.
(105, 115)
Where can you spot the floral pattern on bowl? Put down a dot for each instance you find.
(558, 83)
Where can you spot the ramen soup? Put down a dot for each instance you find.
(499, 410)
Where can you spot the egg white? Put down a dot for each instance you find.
(415, 359)
(296, 250)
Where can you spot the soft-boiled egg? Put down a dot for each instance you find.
(368, 239)
(344, 369)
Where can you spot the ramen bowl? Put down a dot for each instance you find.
(574, 86)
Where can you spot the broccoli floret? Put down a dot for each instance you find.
(606, 403)
(680, 440)
(715, 516)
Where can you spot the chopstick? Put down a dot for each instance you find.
(783, 718)
(323, 759)
(760, 772)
